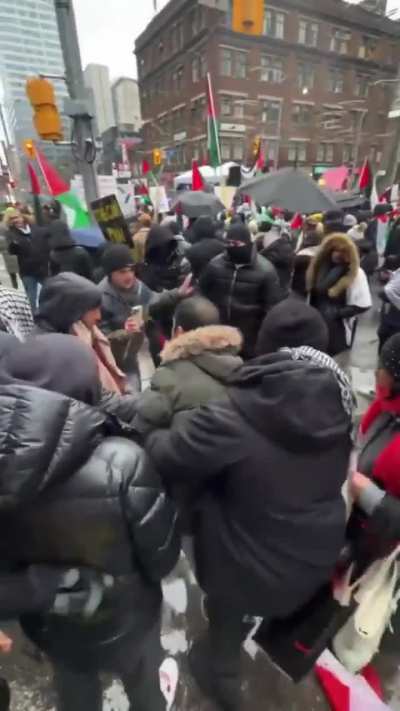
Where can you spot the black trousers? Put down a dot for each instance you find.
(82, 691)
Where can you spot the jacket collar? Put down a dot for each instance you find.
(217, 339)
(322, 257)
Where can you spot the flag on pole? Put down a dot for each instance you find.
(145, 167)
(365, 180)
(346, 691)
(197, 179)
(33, 177)
(214, 147)
(77, 215)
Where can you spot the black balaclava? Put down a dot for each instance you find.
(56, 362)
(240, 253)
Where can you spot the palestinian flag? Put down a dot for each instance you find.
(349, 692)
(366, 179)
(77, 215)
(214, 147)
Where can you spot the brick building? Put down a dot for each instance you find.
(311, 86)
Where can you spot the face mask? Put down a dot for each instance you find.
(240, 254)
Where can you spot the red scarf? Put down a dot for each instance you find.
(386, 468)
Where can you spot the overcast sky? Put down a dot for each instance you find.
(107, 36)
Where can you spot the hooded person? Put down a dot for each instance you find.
(390, 312)
(77, 497)
(242, 284)
(205, 245)
(292, 324)
(275, 244)
(29, 244)
(70, 304)
(196, 365)
(264, 544)
(164, 266)
(338, 289)
(65, 254)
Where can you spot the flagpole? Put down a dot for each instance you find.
(213, 116)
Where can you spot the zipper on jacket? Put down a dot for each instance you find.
(231, 290)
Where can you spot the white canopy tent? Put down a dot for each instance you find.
(210, 175)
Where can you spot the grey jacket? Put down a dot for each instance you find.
(195, 370)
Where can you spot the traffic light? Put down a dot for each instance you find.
(256, 147)
(47, 119)
(248, 16)
(29, 148)
(157, 156)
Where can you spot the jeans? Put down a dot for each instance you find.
(31, 286)
(82, 691)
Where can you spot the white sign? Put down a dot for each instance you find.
(180, 136)
(107, 186)
(158, 197)
(233, 127)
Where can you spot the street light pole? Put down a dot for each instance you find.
(83, 133)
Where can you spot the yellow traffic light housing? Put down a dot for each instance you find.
(29, 148)
(47, 119)
(248, 16)
(157, 156)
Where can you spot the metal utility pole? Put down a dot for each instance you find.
(77, 107)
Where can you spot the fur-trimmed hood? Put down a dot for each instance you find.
(209, 339)
(329, 244)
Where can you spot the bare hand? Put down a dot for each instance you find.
(132, 326)
(5, 643)
(186, 289)
(358, 483)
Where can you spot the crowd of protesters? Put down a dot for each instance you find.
(238, 452)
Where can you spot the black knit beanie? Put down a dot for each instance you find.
(238, 233)
(115, 257)
(390, 357)
(290, 324)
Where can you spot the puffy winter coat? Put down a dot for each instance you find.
(31, 249)
(243, 293)
(71, 496)
(279, 250)
(272, 521)
(195, 369)
(205, 245)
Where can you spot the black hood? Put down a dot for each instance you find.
(60, 236)
(294, 403)
(160, 245)
(64, 299)
(203, 228)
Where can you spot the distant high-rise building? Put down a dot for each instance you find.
(126, 101)
(97, 78)
(29, 45)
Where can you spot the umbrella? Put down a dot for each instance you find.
(197, 204)
(346, 199)
(88, 237)
(290, 189)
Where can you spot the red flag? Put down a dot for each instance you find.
(54, 182)
(145, 167)
(197, 180)
(366, 179)
(35, 183)
(297, 222)
(143, 190)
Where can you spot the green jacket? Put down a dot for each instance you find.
(195, 370)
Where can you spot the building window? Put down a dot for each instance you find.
(302, 114)
(271, 112)
(348, 152)
(197, 20)
(368, 47)
(225, 62)
(325, 153)
(241, 65)
(238, 109)
(340, 40)
(306, 76)
(195, 70)
(238, 150)
(297, 152)
(274, 23)
(308, 33)
(272, 69)
(336, 81)
(226, 106)
(361, 87)
(225, 150)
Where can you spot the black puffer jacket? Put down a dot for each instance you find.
(71, 496)
(272, 521)
(65, 255)
(32, 251)
(280, 252)
(243, 293)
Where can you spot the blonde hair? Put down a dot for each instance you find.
(10, 214)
